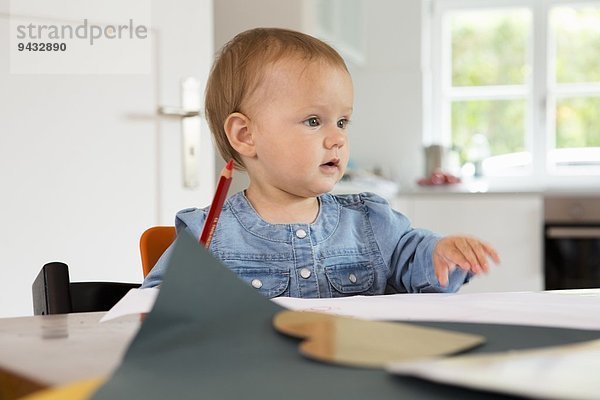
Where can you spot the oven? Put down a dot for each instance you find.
(572, 242)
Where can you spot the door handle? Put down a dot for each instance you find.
(177, 112)
(190, 115)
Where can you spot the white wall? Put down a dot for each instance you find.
(235, 16)
(386, 131)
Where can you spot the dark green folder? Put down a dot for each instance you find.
(209, 336)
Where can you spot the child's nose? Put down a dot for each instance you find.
(335, 137)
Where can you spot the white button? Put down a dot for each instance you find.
(301, 233)
(305, 273)
(256, 283)
(352, 278)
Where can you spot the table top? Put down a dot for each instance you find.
(31, 348)
(54, 350)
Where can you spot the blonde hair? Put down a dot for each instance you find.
(239, 68)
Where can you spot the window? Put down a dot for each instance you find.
(516, 85)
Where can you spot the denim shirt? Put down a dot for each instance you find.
(358, 245)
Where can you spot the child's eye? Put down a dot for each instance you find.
(343, 123)
(312, 122)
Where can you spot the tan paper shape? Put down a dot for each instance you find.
(362, 343)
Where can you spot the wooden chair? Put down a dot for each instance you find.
(153, 243)
(54, 293)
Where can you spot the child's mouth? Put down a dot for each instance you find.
(331, 165)
(333, 162)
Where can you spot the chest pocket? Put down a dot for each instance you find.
(270, 282)
(350, 279)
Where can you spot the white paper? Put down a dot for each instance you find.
(136, 301)
(561, 372)
(577, 309)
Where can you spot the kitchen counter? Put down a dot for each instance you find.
(567, 186)
(484, 186)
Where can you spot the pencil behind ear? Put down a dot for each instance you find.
(238, 133)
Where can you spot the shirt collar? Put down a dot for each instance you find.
(323, 227)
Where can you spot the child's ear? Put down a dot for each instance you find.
(237, 128)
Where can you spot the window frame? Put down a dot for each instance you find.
(541, 92)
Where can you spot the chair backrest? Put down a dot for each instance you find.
(153, 243)
(54, 293)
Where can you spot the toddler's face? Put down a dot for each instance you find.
(299, 117)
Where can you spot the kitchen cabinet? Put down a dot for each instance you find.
(511, 222)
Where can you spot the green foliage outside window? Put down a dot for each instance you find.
(489, 47)
(502, 121)
(577, 35)
(578, 122)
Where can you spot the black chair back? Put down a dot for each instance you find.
(54, 293)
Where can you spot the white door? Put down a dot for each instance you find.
(86, 165)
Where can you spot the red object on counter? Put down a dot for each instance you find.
(439, 178)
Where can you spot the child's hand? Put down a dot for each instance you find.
(465, 252)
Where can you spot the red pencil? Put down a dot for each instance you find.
(217, 205)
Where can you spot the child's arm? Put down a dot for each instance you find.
(419, 261)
